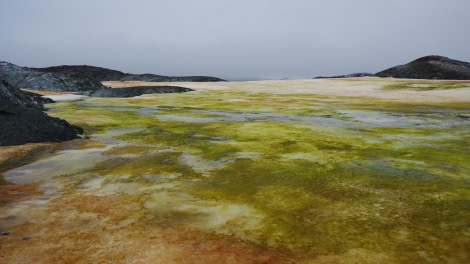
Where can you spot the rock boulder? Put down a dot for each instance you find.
(23, 121)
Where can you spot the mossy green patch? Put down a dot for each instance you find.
(150, 164)
(329, 175)
(427, 85)
(122, 150)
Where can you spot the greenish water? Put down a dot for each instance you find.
(308, 175)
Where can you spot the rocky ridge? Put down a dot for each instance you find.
(430, 67)
(104, 74)
(352, 75)
(36, 79)
(86, 80)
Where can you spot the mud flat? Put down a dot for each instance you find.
(302, 171)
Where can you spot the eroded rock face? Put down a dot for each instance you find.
(430, 67)
(37, 79)
(23, 121)
(19, 97)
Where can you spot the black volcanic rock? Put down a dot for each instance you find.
(136, 91)
(21, 125)
(159, 78)
(38, 79)
(103, 74)
(430, 67)
(23, 121)
(21, 98)
(95, 73)
(352, 75)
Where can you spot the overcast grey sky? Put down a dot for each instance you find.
(233, 39)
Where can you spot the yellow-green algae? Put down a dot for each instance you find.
(309, 175)
(427, 85)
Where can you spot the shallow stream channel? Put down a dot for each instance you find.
(246, 177)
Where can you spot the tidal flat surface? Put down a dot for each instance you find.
(246, 176)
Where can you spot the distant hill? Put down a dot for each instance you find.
(352, 75)
(104, 74)
(87, 80)
(37, 79)
(430, 67)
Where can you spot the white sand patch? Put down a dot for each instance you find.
(93, 183)
(65, 97)
(133, 187)
(349, 87)
(212, 216)
(200, 165)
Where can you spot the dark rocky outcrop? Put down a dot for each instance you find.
(103, 74)
(430, 67)
(95, 73)
(23, 121)
(38, 79)
(135, 91)
(159, 78)
(87, 79)
(21, 98)
(352, 75)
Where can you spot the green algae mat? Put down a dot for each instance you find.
(232, 176)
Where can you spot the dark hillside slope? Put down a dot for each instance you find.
(430, 67)
(87, 80)
(21, 98)
(23, 121)
(103, 74)
(35, 79)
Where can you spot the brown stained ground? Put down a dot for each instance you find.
(79, 239)
(10, 193)
(84, 227)
(81, 228)
(15, 156)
